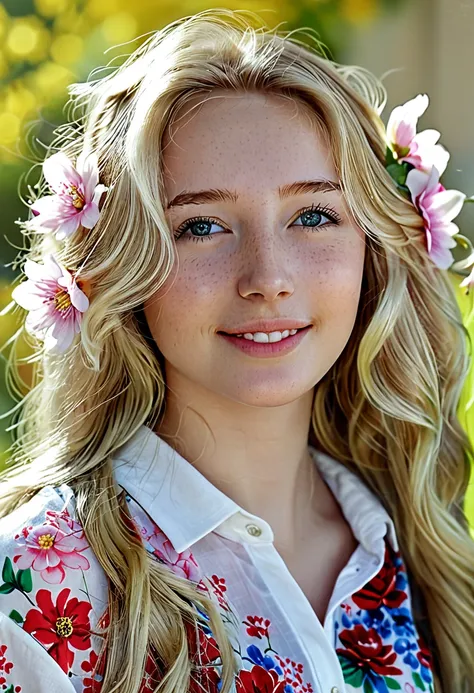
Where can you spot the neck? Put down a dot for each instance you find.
(258, 456)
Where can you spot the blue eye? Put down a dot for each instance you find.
(201, 226)
(311, 217)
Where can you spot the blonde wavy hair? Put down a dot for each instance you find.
(387, 409)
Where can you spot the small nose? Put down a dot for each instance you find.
(266, 268)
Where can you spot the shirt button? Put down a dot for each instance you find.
(253, 530)
(334, 689)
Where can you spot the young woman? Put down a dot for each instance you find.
(240, 466)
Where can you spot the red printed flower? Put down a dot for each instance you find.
(5, 665)
(424, 655)
(366, 649)
(259, 680)
(381, 589)
(60, 627)
(93, 683)
(257, 626)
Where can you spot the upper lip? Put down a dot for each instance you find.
(267, 326)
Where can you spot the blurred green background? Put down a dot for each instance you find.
(416, 46)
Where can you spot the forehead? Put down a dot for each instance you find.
(245, 141)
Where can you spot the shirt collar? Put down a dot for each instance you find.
(148, 468)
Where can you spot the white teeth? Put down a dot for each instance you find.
(264, 337)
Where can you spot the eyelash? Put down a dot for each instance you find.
(326, 211)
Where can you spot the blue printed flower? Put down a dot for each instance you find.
(376, 619)
(263, 660)
(402, 622)
(404, 646)
(401, 581)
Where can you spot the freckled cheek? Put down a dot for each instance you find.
(186, 304)
(335, 275)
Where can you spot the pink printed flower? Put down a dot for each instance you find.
(183, 564)
(420, 149)
(51, 547)
(77, 197)
(55, 303)
(438, 207)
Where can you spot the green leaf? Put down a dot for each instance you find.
(15, 616)
(368, 688)
(389, 158)
(398, 172)
(10, 689)
(391, 683)
(351, 672)
(418, 681)
(6, 588)
(7, 572)
(24, 580)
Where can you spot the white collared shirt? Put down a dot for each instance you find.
(55, 592)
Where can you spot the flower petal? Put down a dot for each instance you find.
(78, 298)
(68, 227)
(59, 337)
(59, 171)
(417, 182)
(90, 215)
(88, 167)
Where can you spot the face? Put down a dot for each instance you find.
(277, 243)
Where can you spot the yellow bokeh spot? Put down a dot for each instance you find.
(4, 66)
(27, 39)
(359, 11)
(101, 9)
(119, 27)
(9, 128)
(67, 49)
(18, 100)
(4, 21)
(51, 8)
(50, 79)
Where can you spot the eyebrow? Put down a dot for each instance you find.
(290, 189)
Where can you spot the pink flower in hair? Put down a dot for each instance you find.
(55, 303)
(438, 207)
(76, 199)
(420, 149)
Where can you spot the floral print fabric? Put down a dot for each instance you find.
(54, 591)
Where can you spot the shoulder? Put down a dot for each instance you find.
(53, 589)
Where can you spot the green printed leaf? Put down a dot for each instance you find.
(6, 588)
(368, 688)
(10, 689)
(391, 683)
(418, 681)
(7, 572)
(24, 580)
(15, 616)
(351, 672)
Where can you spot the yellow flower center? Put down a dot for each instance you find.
(64, 627)
(78, 199)
(62, 300)
(46, 541)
